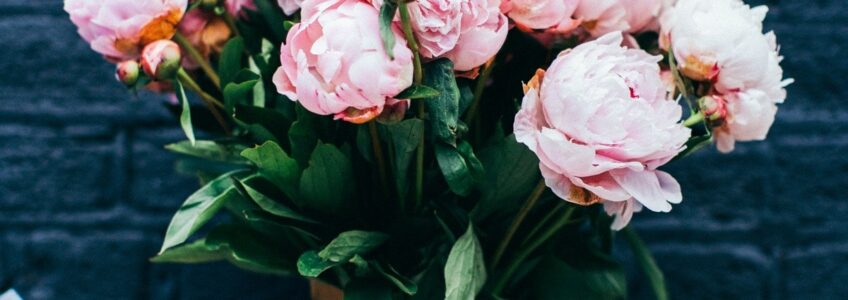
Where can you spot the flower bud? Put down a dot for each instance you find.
(161, 59)
(714, 108)
(127, 72)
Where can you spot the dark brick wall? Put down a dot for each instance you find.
(86, 190)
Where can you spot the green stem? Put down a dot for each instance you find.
(198, 58)
(543, 222)
(516, 223)
(478, 91)
(646, 261)
(418, 77)
(231, 23)
(381, 161)
(524, 253)
(211, 103)
(695, 119)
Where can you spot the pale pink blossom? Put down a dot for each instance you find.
(119, 29)
(290, 6)
(334, 61)
(469, 32)
(601, 124)
(546, 15)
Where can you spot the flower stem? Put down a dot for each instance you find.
(381, 161)
(524, 253)
(210, 101)
(418, 77)
(198, 58)
(231, 23)
(516, 223)
(478, 91)
(694, 119)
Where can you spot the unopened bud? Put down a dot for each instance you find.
(393, 112)
(714, 108)
(161, 59)
(127, 72)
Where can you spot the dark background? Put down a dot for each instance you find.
(86, 190)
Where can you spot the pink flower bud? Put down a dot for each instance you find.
(127, 72)
(161, 59)
(714, 108)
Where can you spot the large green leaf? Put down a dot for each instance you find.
(327, 185)
(460, 167)
(510, 175)
(443, 110)
(273, 16)
(303, 136)
(199, 208)
(403, 283)
(646, 262)
(405, 137)
(211, 150)
(185, 116)
(311, 265)
(275, 165)
(274, 207)
(192, 253)
(236, 93)
(264, 123)
(465, 270)
(230, 62)
(387, 16)
(595, 278)
(351, 243)
(418, 91)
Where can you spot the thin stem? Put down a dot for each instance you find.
(695, 119)
(418, 77)
(478, 91)
(231, 23)
(542, 223)
(198, 58)
(524, 253)
(381, 161)
(211, 103)
(516, 223)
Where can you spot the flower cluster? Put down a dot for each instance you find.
(353, 114)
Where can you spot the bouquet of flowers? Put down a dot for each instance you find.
(429, 149)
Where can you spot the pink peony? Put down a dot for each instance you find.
(604, 16)
(469, 32)
(545, 15)
(161, 59)
(236, 7)
(119, 29)
(334, 62)
(207, 32)
(290, 6)
(601, 124)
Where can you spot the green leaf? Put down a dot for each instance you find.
(210, 150)
(230, 63)
(401, 282)
(405, 136)
(274, 17)
(274, 207)
(474, 164)
(199, 208)
(455, 170)
(248, 250)
(303, 136)
(443, 110)
(646, 262)
(185, 116)
(311, 265)
(509, 177)
(263, 123)
(465, 270)
(237, 93)
(694, 144)
(192, 253)
(595, 278)
(368, 289)
(275, 165)
(328, 183)
(387, 16)
(418, 91)
(351, 243)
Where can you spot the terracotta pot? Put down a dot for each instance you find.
(320, 290)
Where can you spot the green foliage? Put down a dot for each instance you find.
(465, 270)
(344, 248)
(418, 91)
(510, 176)
(185, 116)
(387, 15)
(275, 165)
(211, 150)
(596, 277)
(327, 184)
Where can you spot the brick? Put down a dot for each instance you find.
(816, 273)
(155, 183)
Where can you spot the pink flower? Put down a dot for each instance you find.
(604, 16)
(469, 32)
(334, 62)
(161, 59)
(546, 15)
(207, 32)
(236, 7)
(601, 124)
(290, 6)
(119, 29)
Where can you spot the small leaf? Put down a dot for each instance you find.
(185, 116)
(351, 243)
(198, 209)
(458, 171)
(229, 64)
(237, 93)
(401, 282)
(211, 150)
(443, 110)
(465, 270)
(192, 253)
(275, 165)
(405, 136)
(328, 183)
(273, 207)
(387, 16)
(418, 91)
(311, 265)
